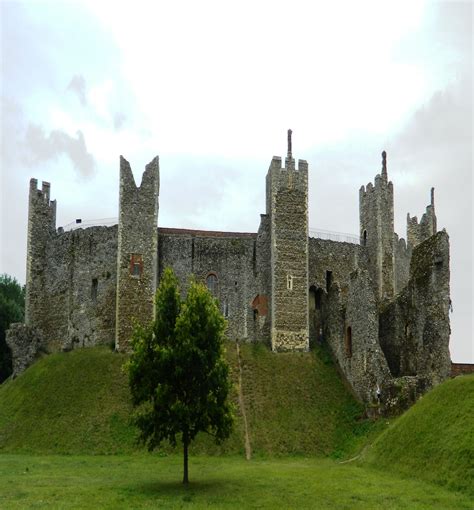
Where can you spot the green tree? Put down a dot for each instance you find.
(178, 376)
(12, 308)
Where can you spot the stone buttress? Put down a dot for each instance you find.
(137, 250)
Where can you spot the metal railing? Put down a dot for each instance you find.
(80, 223)
(317, 233)
(334, 236)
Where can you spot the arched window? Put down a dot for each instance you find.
(211, 283)
(348, 342)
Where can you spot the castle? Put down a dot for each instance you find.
(382, 305)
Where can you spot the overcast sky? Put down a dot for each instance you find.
(212, 87)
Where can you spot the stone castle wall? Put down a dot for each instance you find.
(414, 328)
(381, 306)
(227, 262)
(72, 299)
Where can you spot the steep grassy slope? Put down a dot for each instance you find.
(297, 403)
(67, 403)
(78, 402)
(434, 439)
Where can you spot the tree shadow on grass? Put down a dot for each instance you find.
(176, 488)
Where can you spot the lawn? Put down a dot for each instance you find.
(151, 481)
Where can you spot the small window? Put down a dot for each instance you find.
(318, 299)
(136, 265)
(348, 342)
(95, 284)
(226, 310)
(328, 280)
(364, 238)
(211, 283)
(289, 282)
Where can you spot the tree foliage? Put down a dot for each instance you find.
(12, 307)
(178, 376)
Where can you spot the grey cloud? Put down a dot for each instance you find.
(42, 147)
(77, 85)
(436, 147)
(444, 120)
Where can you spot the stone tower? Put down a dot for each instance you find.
(41, 229)
(419, 232)
(287, 207)
(377, 231)
(137, 249)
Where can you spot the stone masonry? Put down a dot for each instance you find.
(137, 250)
(381, 306)
(287, 207)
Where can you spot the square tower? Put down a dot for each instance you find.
(137, 250)
(287, 207)
(377, 231)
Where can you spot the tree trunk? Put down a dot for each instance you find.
(185, 459)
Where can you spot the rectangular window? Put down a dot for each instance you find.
(289, 282)
(136, 265)
(328, 280)
(94, 286)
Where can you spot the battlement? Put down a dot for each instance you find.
(39, 196)
(286, 178)
(381, 182)
(276, 165)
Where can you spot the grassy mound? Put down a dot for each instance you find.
(297, 403)
(68, 403)
(433, 440)
(78, 403)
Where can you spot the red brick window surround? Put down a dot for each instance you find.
(136, 265)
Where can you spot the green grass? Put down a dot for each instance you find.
(78, 403)
(434, 440)
(68, 403)
(149, 481)
(297, 404)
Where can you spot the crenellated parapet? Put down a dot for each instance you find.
(137, 249)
